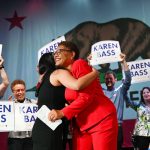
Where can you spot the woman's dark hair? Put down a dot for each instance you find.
(141, 93)
(46, 62)
(71, 46)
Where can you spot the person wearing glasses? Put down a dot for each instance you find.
(3, 86)
(50, 92)
(95, 119)
(19, 140)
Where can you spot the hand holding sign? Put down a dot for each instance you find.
(123, 57)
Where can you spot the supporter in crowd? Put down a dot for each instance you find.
(20, 140)
(95, 125)
(3, 86)
(118, 94)
(50, 92)
(141, 133)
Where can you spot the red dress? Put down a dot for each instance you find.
(93, 111)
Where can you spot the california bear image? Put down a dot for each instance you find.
(133, 36)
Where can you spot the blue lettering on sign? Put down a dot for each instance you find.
(105, 53)
(51, 48)
(95, 48)
(42, 52)
(55, 45)
(47, 50)
(29, 118)
(29, 109)
(139, 73)
(140, 65)
(5, 108)
(3, 118)
(114, 45)
(105, 46)
(35, 109)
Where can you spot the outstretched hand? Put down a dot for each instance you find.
(123, 61)
(123, 57)
(55, 115)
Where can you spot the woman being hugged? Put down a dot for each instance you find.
(50, 92)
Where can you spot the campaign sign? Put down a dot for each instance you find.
(1, 49)
(105, 52)
(50, 47)
(25, 116)
(140, 70)
(6, 116)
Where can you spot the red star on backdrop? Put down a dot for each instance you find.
(15, 21)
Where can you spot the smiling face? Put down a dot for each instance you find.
(146, 95)
(19, 92)
(110, 81)
(63, 56)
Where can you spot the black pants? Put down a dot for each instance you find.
(20, 144)
(45, 138)
(120, 137)
(141, 142)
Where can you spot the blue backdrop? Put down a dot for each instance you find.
(27, 25)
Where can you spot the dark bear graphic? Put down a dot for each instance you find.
(133, 35)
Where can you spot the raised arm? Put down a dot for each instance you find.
(127, 79)
(5, 80)
(134, 105)
(123, 62)
(65, 78)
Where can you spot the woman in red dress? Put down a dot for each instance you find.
(95, 125)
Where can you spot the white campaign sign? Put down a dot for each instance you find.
(17, 116)
(140, 70)
(50, 47)
(105, 52)
(6, 116)
(25, 116)
(1, 49)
